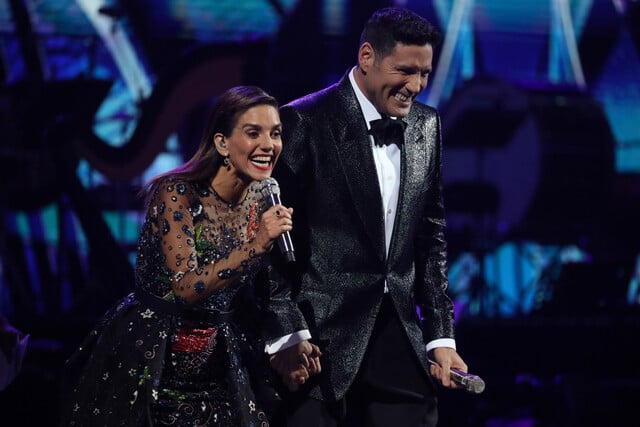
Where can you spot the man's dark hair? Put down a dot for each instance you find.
(392, 25)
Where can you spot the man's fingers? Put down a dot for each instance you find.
(315, 351)
(315, 366)
(314, 360)
(304, 360)
(296, 364)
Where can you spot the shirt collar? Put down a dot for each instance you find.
(368, 110)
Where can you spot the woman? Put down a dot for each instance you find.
(173, 352)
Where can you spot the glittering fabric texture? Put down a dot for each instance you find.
(140, 362)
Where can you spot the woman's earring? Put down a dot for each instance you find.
(225, 161)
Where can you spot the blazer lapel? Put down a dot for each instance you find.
(412, 176)
(356, 162)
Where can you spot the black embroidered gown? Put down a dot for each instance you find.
(152, 360)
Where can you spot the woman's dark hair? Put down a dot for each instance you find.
(392, 25)
(223, 117)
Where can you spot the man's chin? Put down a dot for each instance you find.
(400, 110)
(401, 113)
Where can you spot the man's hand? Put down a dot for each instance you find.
(296, 363)
(446, 358)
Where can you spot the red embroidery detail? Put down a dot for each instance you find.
(192, 339)
(254, 224)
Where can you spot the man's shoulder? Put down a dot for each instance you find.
(423, 109)
(314, 99)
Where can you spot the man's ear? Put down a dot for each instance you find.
(366, 56)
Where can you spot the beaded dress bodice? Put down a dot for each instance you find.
(189, 227)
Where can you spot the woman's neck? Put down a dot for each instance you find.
(229, 188)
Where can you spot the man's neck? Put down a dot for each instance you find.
(358, 76)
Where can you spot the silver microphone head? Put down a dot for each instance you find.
(475, 385)
(471, 383)
(268, 187)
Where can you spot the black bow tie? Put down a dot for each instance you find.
(388, 131)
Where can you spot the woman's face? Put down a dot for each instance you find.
(255, 143)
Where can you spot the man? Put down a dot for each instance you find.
(369, 240)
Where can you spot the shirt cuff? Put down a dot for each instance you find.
(442, 342)
(274, 346)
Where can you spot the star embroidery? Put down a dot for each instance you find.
(147, 314)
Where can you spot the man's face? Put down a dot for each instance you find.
(392, 83)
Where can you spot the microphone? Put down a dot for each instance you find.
(471, 383)
(271, 192)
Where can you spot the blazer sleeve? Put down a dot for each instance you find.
(436, 307)
(283, 316)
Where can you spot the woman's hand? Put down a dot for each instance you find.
(274, 222)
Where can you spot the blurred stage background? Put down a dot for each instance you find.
(540, 102)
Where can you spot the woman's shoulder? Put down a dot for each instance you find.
(172, 188)
(180, 185)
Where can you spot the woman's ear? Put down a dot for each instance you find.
(221, 144)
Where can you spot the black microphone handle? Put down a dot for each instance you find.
(284, 240)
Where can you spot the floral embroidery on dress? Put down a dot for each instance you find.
(194, 339)
(254, 222)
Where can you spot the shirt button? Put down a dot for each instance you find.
(389, 212)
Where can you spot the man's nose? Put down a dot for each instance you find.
(416, 84)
